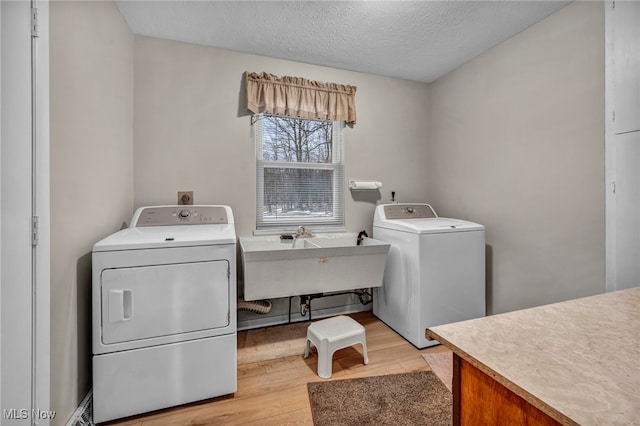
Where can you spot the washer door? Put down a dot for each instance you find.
(151, 301)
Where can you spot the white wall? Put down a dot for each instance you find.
(91, 174)
(516, 142)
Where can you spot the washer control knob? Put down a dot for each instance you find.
(184, 214)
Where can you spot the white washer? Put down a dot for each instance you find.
(164, 311)
(435, 271)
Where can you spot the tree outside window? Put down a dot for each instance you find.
(299, 172)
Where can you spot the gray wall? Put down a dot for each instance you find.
(516, 142)
(91, 80)
(193, 132)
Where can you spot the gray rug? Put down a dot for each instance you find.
(417, 398)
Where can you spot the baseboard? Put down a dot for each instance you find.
(249, 324)
(83, 416)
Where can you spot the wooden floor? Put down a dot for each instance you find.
(274, 392)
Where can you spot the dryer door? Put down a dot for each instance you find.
(164, 300)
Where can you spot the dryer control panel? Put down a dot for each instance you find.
(408, 211)
(180, 215)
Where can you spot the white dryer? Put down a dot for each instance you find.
(164, 311)
(435, 271)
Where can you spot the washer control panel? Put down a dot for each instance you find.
(408, 211)
(180, 215)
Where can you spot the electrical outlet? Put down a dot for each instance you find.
(185, 198)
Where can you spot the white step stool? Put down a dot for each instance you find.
(332, 334)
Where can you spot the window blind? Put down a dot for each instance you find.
(300, 173)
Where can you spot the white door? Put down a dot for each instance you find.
(627, 143)
(622, 145)
(163, 300)
(24, 265)
(626, 46)
(627, 206)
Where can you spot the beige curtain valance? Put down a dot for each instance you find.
(299, 97)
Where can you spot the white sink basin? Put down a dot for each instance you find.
(324, 263)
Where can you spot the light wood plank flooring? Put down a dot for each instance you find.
(274, 392)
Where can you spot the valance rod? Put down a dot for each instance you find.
(252, 77)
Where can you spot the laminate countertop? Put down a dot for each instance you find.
(578, 361)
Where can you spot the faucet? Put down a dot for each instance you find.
(302, 232)
(362, 234)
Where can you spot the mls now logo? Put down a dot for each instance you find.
(15, 413)
(23, 413)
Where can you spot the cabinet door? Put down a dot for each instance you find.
(626, 47)
(627, 199)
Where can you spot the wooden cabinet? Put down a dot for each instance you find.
(569, 363)
(478, 399)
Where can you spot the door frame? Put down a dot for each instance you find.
(24, 193)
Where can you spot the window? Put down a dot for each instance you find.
(299, 173)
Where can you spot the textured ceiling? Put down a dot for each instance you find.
(413, 40)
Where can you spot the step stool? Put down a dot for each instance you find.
(332, 334)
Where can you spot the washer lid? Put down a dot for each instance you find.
(167, 237)
(432, 225)
(418, 218)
